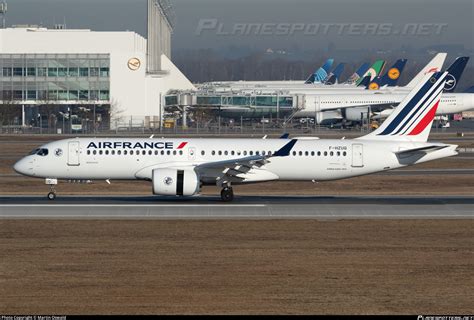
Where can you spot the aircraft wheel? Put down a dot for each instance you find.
(51, 196)
(227, 194)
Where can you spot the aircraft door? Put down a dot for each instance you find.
(73, 154)
(357, 156)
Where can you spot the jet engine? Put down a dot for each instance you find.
(356, 114)
(328, 117)
(174, 182)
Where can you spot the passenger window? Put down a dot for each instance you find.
(232, 152)
(312, 153)
(156, 152)
(168, 153)
(245, 153)
(325, 153)
(119, 152)
(319, 153)
(88, 152)
(144, 152)
(251, 153)
(294, 153)
(125, 152)
(131, 152)
(181, 152)
(263, 153)
(220, 153)
(213, 153)
(94, 152)
(301, 153)
(113, 152)
(344, 154)
(150, 153)
(306, 153)
(174, 153)
(338, 153)
(226, 153)
(101, 152)
(332, 153)
(162, 152)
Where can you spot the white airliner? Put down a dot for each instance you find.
(179, 167)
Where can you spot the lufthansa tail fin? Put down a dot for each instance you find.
(469, 90)
(455, 72)
(413, 118)
(434, 65)
(391, 78)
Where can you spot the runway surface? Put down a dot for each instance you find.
(244, 207)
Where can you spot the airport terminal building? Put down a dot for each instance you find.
(119, 74)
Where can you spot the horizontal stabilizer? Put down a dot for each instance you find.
(422, 149)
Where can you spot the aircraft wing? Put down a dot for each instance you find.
(233, 170)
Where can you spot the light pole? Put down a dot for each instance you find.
(40, 123)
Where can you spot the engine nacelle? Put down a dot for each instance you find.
(356, 114)
(328, 117)
(174, 182)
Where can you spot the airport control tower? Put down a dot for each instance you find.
(161, 20)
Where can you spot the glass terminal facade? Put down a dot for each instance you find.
(248, 105)
(46, 78)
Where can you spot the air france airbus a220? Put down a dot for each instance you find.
(181, 167)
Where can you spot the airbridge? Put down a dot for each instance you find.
(276, 104)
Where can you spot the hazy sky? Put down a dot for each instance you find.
(458, 15)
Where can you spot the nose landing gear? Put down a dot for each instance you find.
(52, 193)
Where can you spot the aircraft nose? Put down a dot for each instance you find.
(21, 167)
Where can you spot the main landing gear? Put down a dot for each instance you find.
(227, 194)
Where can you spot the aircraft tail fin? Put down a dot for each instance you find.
(335, 75)
(365, 82)
(358, 74)
(435, 65)
(374, 71)
(455, 73)
(469, 90)
(321, 73)
(391, 78)
(413, 118)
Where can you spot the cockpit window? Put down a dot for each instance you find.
(40, 152)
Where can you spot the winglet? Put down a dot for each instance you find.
(285, 151)
(285, 136)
